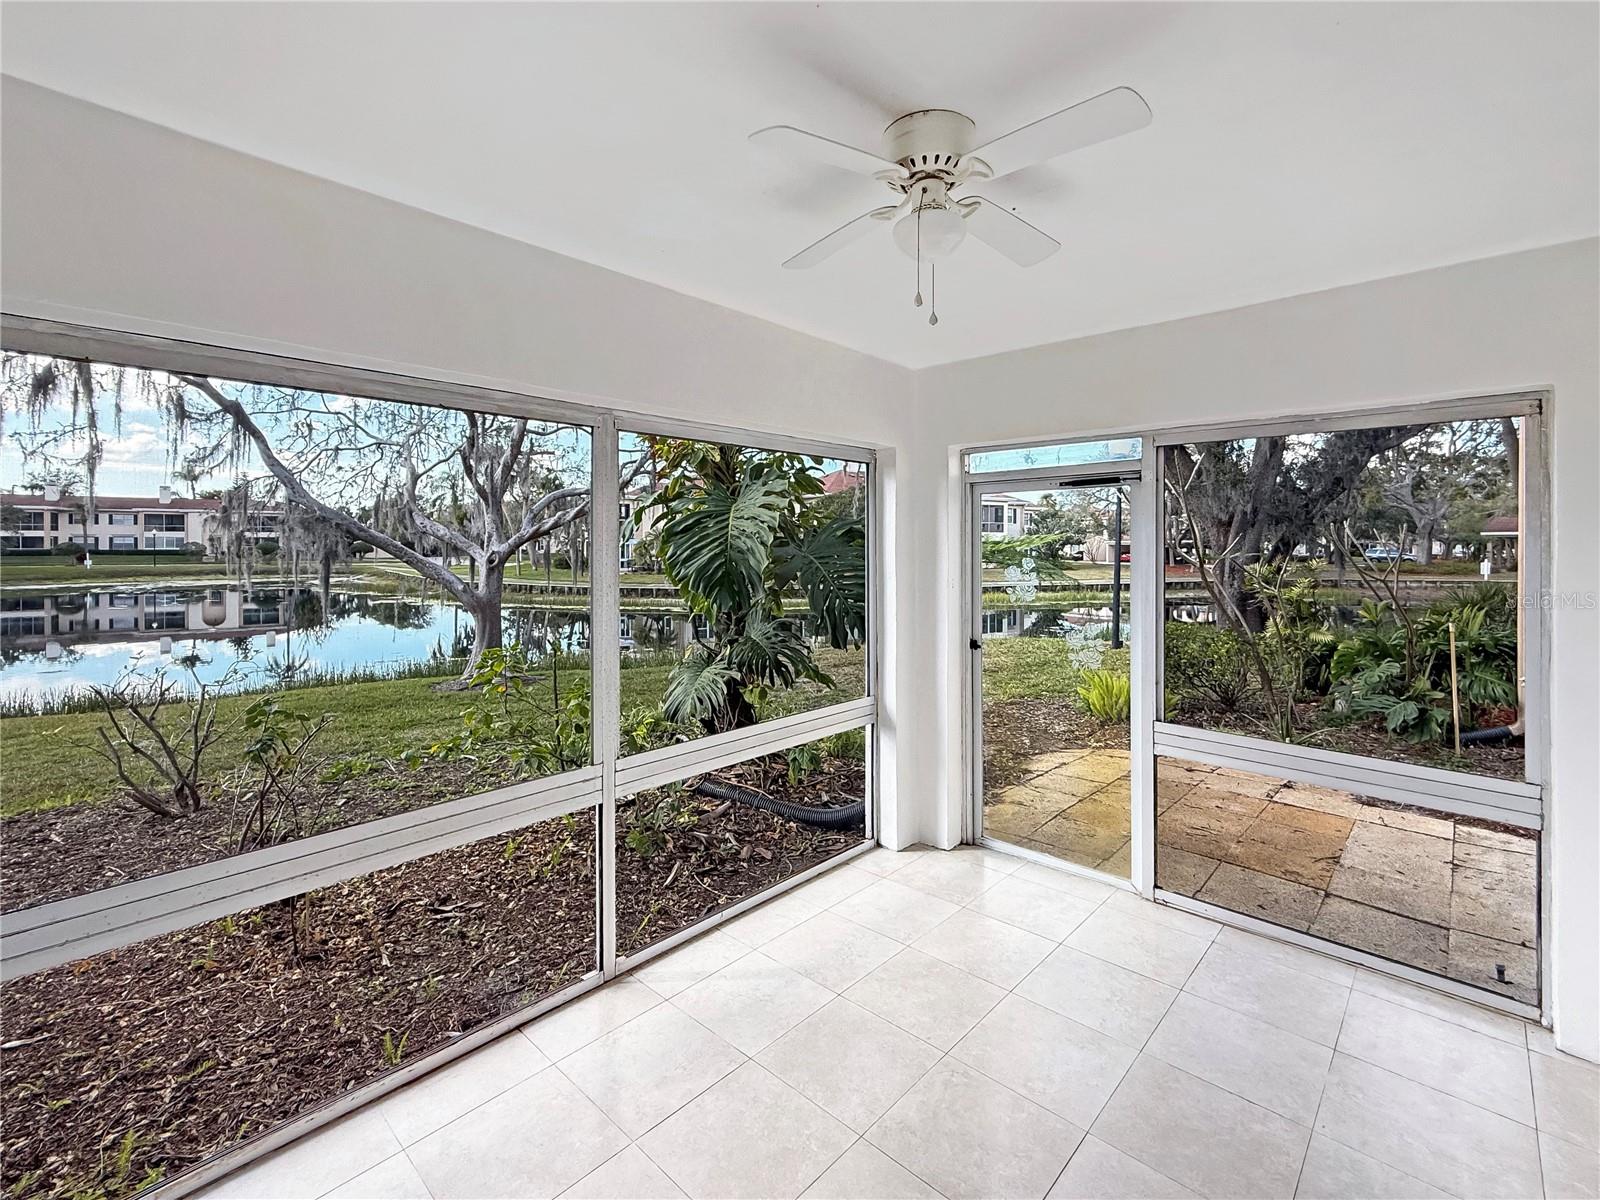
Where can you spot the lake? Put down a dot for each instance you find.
(60, 644)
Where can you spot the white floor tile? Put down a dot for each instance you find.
(441, 1096)
(1052, 1060)
(392, 1179)
(1268, 991)
(883, 862)
(1269, 1066)
(850, 1061)
(640, 1073)
(753, 1001)
(1335, 1172)
(1458, 1147)
(1435, 1003)
(969, 1137)
(751, 1135)
(994, 860)
(926, 997)
(1566, 1092)
(1099, 1171)
(952, 876)
(1205, 1138)
(864, 1172)
(538, 1139)
(777, 916)
(1116, 1001)
(628, 1175)
(1452, 1058)
(686, 965)
(315, 1164)
(982, 946)
(1298, 958)
(1034, 907)
(834, 885)
(576, 1024)
(897, 911)
(832, 951)
(1158, 951)
(1136, 905)
(1080, 886)
(1571, 1172)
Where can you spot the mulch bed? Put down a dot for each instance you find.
(136, 1063)
(716, 853)
(1016, 730)
(61, 852)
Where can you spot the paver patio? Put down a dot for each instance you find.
(1448, 895)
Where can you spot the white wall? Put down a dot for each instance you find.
(1502, 324)
(113, 222)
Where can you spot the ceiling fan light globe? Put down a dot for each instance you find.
(943, 229)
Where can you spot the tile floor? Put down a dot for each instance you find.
(967, 1024)
(1443, 895)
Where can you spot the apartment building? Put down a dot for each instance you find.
(45, 519)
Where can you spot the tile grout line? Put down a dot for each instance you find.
(1323, 1092)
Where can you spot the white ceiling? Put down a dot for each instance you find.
(1295, 146)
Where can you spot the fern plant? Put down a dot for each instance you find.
(739, 532)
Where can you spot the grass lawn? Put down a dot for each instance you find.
(1020, 667)
(24, 571)
(46, 761)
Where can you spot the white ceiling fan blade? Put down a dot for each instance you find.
(789, 140)
(1007, 232)
(850, 231)
(1098, 119)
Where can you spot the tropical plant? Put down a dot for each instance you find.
(1107, 695)
(739, 532)
(1207, 663)
(275, 782)
(1399, 668)
(511, 719)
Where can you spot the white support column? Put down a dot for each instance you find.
(1149, 596)
(605, 628)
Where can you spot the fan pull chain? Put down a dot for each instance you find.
(933, 274)
(917, 299)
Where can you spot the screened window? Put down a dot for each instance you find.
(1356, 590)
(241, 1023)
(320, 687)
(755, 607)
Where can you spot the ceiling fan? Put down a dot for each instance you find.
(928, 155)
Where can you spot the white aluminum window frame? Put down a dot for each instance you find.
(1518, 802)
(61, 931)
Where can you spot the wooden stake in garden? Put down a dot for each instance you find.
(1455, 688)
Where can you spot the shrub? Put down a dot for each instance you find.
(1206, 663)
(1106, 694)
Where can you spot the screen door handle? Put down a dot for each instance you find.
(974, 644)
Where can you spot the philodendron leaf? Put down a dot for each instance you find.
(717, 547)
(830, 565)
(697, 688)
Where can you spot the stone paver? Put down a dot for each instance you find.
(1260, 895)
(1420, 888)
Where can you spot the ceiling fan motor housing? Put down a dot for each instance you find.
(930, 141)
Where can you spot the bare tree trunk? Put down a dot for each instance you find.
(487, 615)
